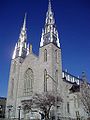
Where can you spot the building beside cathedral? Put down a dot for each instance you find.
(28, 73)
(2, 107)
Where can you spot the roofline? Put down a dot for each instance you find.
(3, 98)
(72, 75)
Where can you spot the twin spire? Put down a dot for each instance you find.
(21, 47)
(49, 34)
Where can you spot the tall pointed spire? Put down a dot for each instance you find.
(49, 15)
(50, 33)
(24, 24)
(23, 34)
(21, 46)
(49, 7)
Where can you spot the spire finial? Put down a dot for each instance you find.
(24, 24)
(49, 6)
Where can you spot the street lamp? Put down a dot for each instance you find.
(1, 111)
(56, 84)
(9, 110)
(19, 109)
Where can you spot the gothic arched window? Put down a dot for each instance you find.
(75, 101)
(56, 56)
(45, 55)
(28, 82)
(68, 107)
(56, 75)
(45, 80)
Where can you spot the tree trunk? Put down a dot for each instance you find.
(88, 118)
(46, 115)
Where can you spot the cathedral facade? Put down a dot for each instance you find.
(28, 72)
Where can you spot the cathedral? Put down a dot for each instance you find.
(28, 73)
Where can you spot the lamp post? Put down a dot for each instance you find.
(1, 111)
(9, 110)
(19, 109)
(56, 84)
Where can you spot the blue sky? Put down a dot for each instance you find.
(73, 24)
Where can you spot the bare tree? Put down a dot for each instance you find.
(45, 101)
(85, 94)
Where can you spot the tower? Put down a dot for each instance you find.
(50, 52)
(20, 52)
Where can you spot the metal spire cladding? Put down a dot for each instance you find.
(24, 24)
(49, 6)
(23, 35)
(21, 48)
(49, 33)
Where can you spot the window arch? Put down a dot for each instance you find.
(68, 107)
(45, 80)
(56, 56)
(45, 55)
(28, 82)
(56, 75)
(75, 101)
